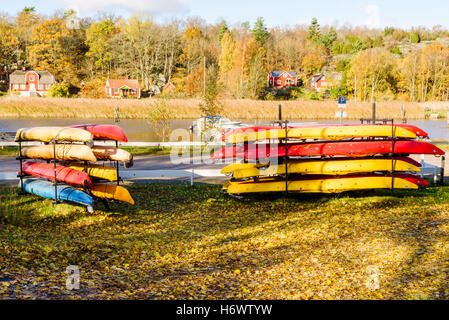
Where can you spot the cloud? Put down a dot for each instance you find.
(373, 16)
(152, 6)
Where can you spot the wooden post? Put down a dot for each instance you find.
(116, 114)
(374, 112)
(404, 120)
(280, 112)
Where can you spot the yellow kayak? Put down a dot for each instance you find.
(47, 134)
(63, 152)
(323, 133)
(111, 153)
(326, 167)
(96, 170)
(330, 185)
(111, 191)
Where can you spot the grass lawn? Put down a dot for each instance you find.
(180, 242)
(9, 151)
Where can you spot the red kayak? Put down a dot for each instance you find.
(419, 132)
(354, 148)
(63, 174)
(104, 131)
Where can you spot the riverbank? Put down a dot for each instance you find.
(180, 242)
(80, 108)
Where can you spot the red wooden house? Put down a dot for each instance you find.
(122, 88)
(169, 88)
(318, 82)
(281, 79)
(30, 82)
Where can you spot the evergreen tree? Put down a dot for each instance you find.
(314, 31)
(260, 31)
(223, 30)
(328, 39)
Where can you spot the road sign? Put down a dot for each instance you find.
(341, 100)
(341, 114)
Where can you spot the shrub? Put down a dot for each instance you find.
(312, 95)
(395, 50)
(415, 38)
(269, 96)
(334, 93)
(59, 90)
(94, 89)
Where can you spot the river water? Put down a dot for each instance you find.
(143, 130)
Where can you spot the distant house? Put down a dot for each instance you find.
(281, 79)
(318, 82)
(168, 88)
(122, 88)
(30, 82)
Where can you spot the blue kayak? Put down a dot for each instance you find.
(46, 189)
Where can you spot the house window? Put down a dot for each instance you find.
(279, 82)
(16, 86)
(23, 87)
(115, 90)
(41, 86)
(32, 78)
(133, 91)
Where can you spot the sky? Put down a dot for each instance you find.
(371, 13)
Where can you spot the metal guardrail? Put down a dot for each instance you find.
(146, 174)
(124, 144)
(7, 136)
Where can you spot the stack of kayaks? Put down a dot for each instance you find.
(78, 176)
(324, 158)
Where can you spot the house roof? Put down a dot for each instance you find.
(316, 77)
(119, 83)
(19, 77)
(277, 74)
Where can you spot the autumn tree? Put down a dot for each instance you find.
(437, 60)
(409, 68)
(9, 45)
(373, 69)
(47, 51)
(26, 21)
(227, 61)
(98, 38)
(313, 59)
(255, 59)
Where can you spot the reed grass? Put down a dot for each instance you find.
(21, 107)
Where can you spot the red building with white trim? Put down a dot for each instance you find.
(122, 88)
(30, 82)
(281, 79)
(318, 82)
